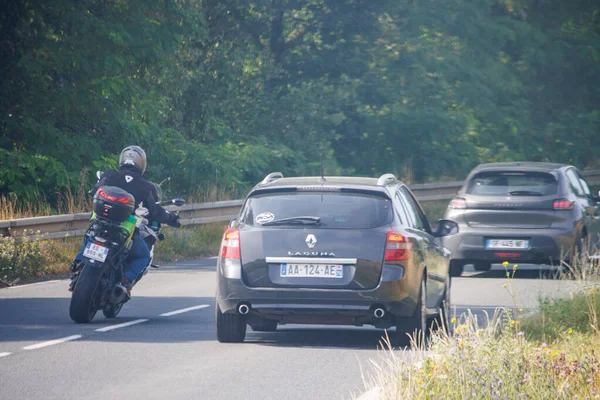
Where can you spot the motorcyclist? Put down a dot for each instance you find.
(129, 177)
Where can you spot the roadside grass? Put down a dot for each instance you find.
(190, 242)
(434, 209)
(37, 258)
(553, 352)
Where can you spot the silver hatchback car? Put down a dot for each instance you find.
(527, 212)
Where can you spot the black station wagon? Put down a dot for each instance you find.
(332, 251)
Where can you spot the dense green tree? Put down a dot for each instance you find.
(222, 92)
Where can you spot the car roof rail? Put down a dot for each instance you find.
(386, 179)
(273, 176)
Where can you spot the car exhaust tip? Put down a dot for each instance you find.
(379, 313)
(243, 309)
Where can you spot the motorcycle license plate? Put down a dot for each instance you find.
(95, 252)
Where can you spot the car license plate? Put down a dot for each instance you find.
(506, 244)
(95, 252)
(311, 270)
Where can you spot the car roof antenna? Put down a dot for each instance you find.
(322, 170)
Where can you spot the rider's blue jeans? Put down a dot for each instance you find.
(137, 259)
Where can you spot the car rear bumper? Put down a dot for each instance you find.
(321, 306)
(545, 245)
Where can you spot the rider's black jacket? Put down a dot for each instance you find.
(131, 180)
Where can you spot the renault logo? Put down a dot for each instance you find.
(311, 241)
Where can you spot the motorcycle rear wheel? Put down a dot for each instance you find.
(83, 306)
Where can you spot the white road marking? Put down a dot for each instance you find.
(36, 284)
(4, 354)
(52, 342)
(183, 310)
(123, 325)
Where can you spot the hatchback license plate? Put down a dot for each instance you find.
(311, 271)
(95, 252)
(506, 244)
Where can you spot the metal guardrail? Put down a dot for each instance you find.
(69, 225)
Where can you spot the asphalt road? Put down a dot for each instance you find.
(163, 345)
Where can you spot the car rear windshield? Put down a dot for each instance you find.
(336, 210)
(511, 183)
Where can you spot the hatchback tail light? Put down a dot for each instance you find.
(458, 203)
(562, 204)
(231, 265)
(397, 247)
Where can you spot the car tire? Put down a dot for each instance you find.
(231, 328)
(441, 323)
(265, 326)
(416, 325)
(456, 268)
(482, 266)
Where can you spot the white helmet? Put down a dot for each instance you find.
(134, 156)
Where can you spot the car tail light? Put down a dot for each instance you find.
(458, 203)
(507, 254)
(230, 248)
(563, 204)
(231, 265)
(397, 247)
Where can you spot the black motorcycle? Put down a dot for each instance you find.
(97, 283)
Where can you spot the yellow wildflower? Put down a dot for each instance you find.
(570, 331)
(505, 263)
(520, 310)
(453, 320)
(504, 285)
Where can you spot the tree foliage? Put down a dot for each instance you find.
(221, 92)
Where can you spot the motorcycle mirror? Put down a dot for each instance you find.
(178, 202)
(98, 174)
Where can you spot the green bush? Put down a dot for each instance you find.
(20, 258)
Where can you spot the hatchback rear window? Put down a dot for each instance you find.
(505, 183)
(336, 210)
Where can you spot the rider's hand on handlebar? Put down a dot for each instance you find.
(174, 220)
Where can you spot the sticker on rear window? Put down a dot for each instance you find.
(264, 217)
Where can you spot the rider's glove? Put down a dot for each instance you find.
(174, 220)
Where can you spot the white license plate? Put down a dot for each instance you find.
(95, 252)
(506, 244)
(311, 271)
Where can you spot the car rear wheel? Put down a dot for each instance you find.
(456, 268)
(265, 326)
(231, 328)
(416, 325)
(482, 266)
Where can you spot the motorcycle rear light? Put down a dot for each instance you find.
(102, 193)
(397, 247)
(230, 248)
(563, 204)
(458, 203)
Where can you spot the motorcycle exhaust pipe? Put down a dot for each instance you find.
(118, 294)
(379, 313)
(243, 309)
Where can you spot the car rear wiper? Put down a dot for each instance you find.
(295, 220)
(525, 193)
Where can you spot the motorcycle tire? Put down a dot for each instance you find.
(83, 305)
(112, 310)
